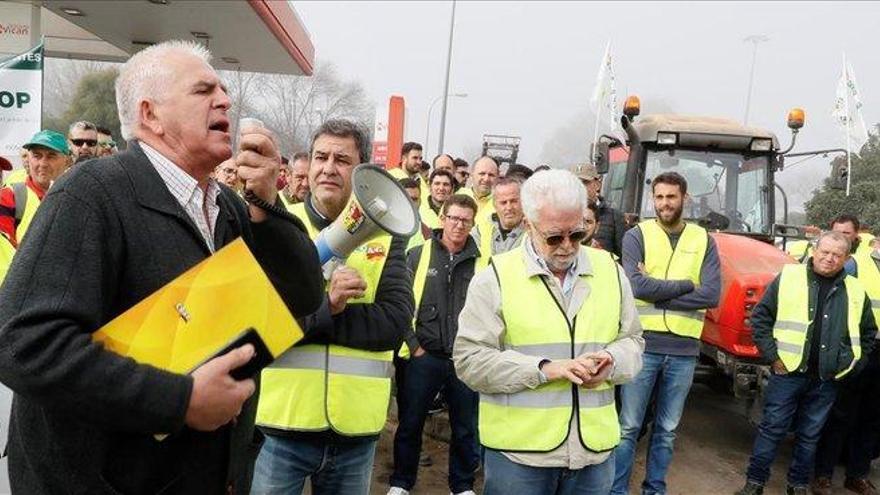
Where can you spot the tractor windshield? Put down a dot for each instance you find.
(728, 188)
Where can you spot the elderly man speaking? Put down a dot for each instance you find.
(109, 233)
(544, 335)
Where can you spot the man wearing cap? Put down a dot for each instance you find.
(48, 158)
(611, 222)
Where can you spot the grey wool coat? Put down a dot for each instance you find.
(108, 234)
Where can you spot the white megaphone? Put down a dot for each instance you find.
(377, 204)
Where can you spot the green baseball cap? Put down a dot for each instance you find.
(49, 139)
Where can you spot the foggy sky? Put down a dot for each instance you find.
(529, 67)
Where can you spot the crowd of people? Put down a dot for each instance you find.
(549, 329)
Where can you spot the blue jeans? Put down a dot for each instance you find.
(807, 402)
(853, 423)
(505, 477)
(335, 468)
(424, 376)
(673, 376)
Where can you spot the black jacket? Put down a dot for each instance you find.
(835, 350)
(446, 287)
(108, 234)
(611, 228)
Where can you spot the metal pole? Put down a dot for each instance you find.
(754, 39)
(848, 116)
(431, 112)
(428, 125)
(446, 84)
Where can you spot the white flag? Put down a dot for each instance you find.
(848, 109)
(604, 99)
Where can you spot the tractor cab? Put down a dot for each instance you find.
(728, 167)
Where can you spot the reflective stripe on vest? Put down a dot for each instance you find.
(793, 321)
(538, 420)
(664, 263)
(320, 387)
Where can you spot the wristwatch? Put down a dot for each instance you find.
(542, 376)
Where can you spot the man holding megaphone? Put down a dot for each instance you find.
(325, 401)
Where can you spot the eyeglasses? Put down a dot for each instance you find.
(88, 142)
(575, 236)
(465, 222)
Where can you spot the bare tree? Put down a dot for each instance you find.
(291, 106)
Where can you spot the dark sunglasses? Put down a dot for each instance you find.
(87, 142)
(575, 236)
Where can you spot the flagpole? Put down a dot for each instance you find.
(600, 82)
(848, 117)
(595, 136)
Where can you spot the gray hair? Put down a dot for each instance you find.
(145, 75)
(835, 236)
(345, 129)
(82, 124)
(556, 189)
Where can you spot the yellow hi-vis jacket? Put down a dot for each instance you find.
(318, 387)
(793, 316)
(421, 277)
(869, 276)
(664, 263)
(537, 420)
(7, 251)
(800, 250)
(26, 204)
(429, 218)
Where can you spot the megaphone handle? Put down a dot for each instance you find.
(330, 266)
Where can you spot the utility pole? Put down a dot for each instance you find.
(446, 84)
(754, 40)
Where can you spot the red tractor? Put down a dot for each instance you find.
(730, 172)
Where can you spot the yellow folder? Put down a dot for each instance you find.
(220, 303)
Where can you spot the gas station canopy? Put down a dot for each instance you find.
(250, 35)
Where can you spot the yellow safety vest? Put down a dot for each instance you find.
(32, 202)
(869, 276)
(287, 204)
(397, 172)
(419, 280)
(537, 420)
(793, 316)
(865, 243)
(429, 218)
(16, 176)
(7, 251)
(318, 387)
(661, 262)
(799, 250)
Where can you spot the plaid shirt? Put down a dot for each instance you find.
(200, 204)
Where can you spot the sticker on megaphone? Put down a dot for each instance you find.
(378, 205)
